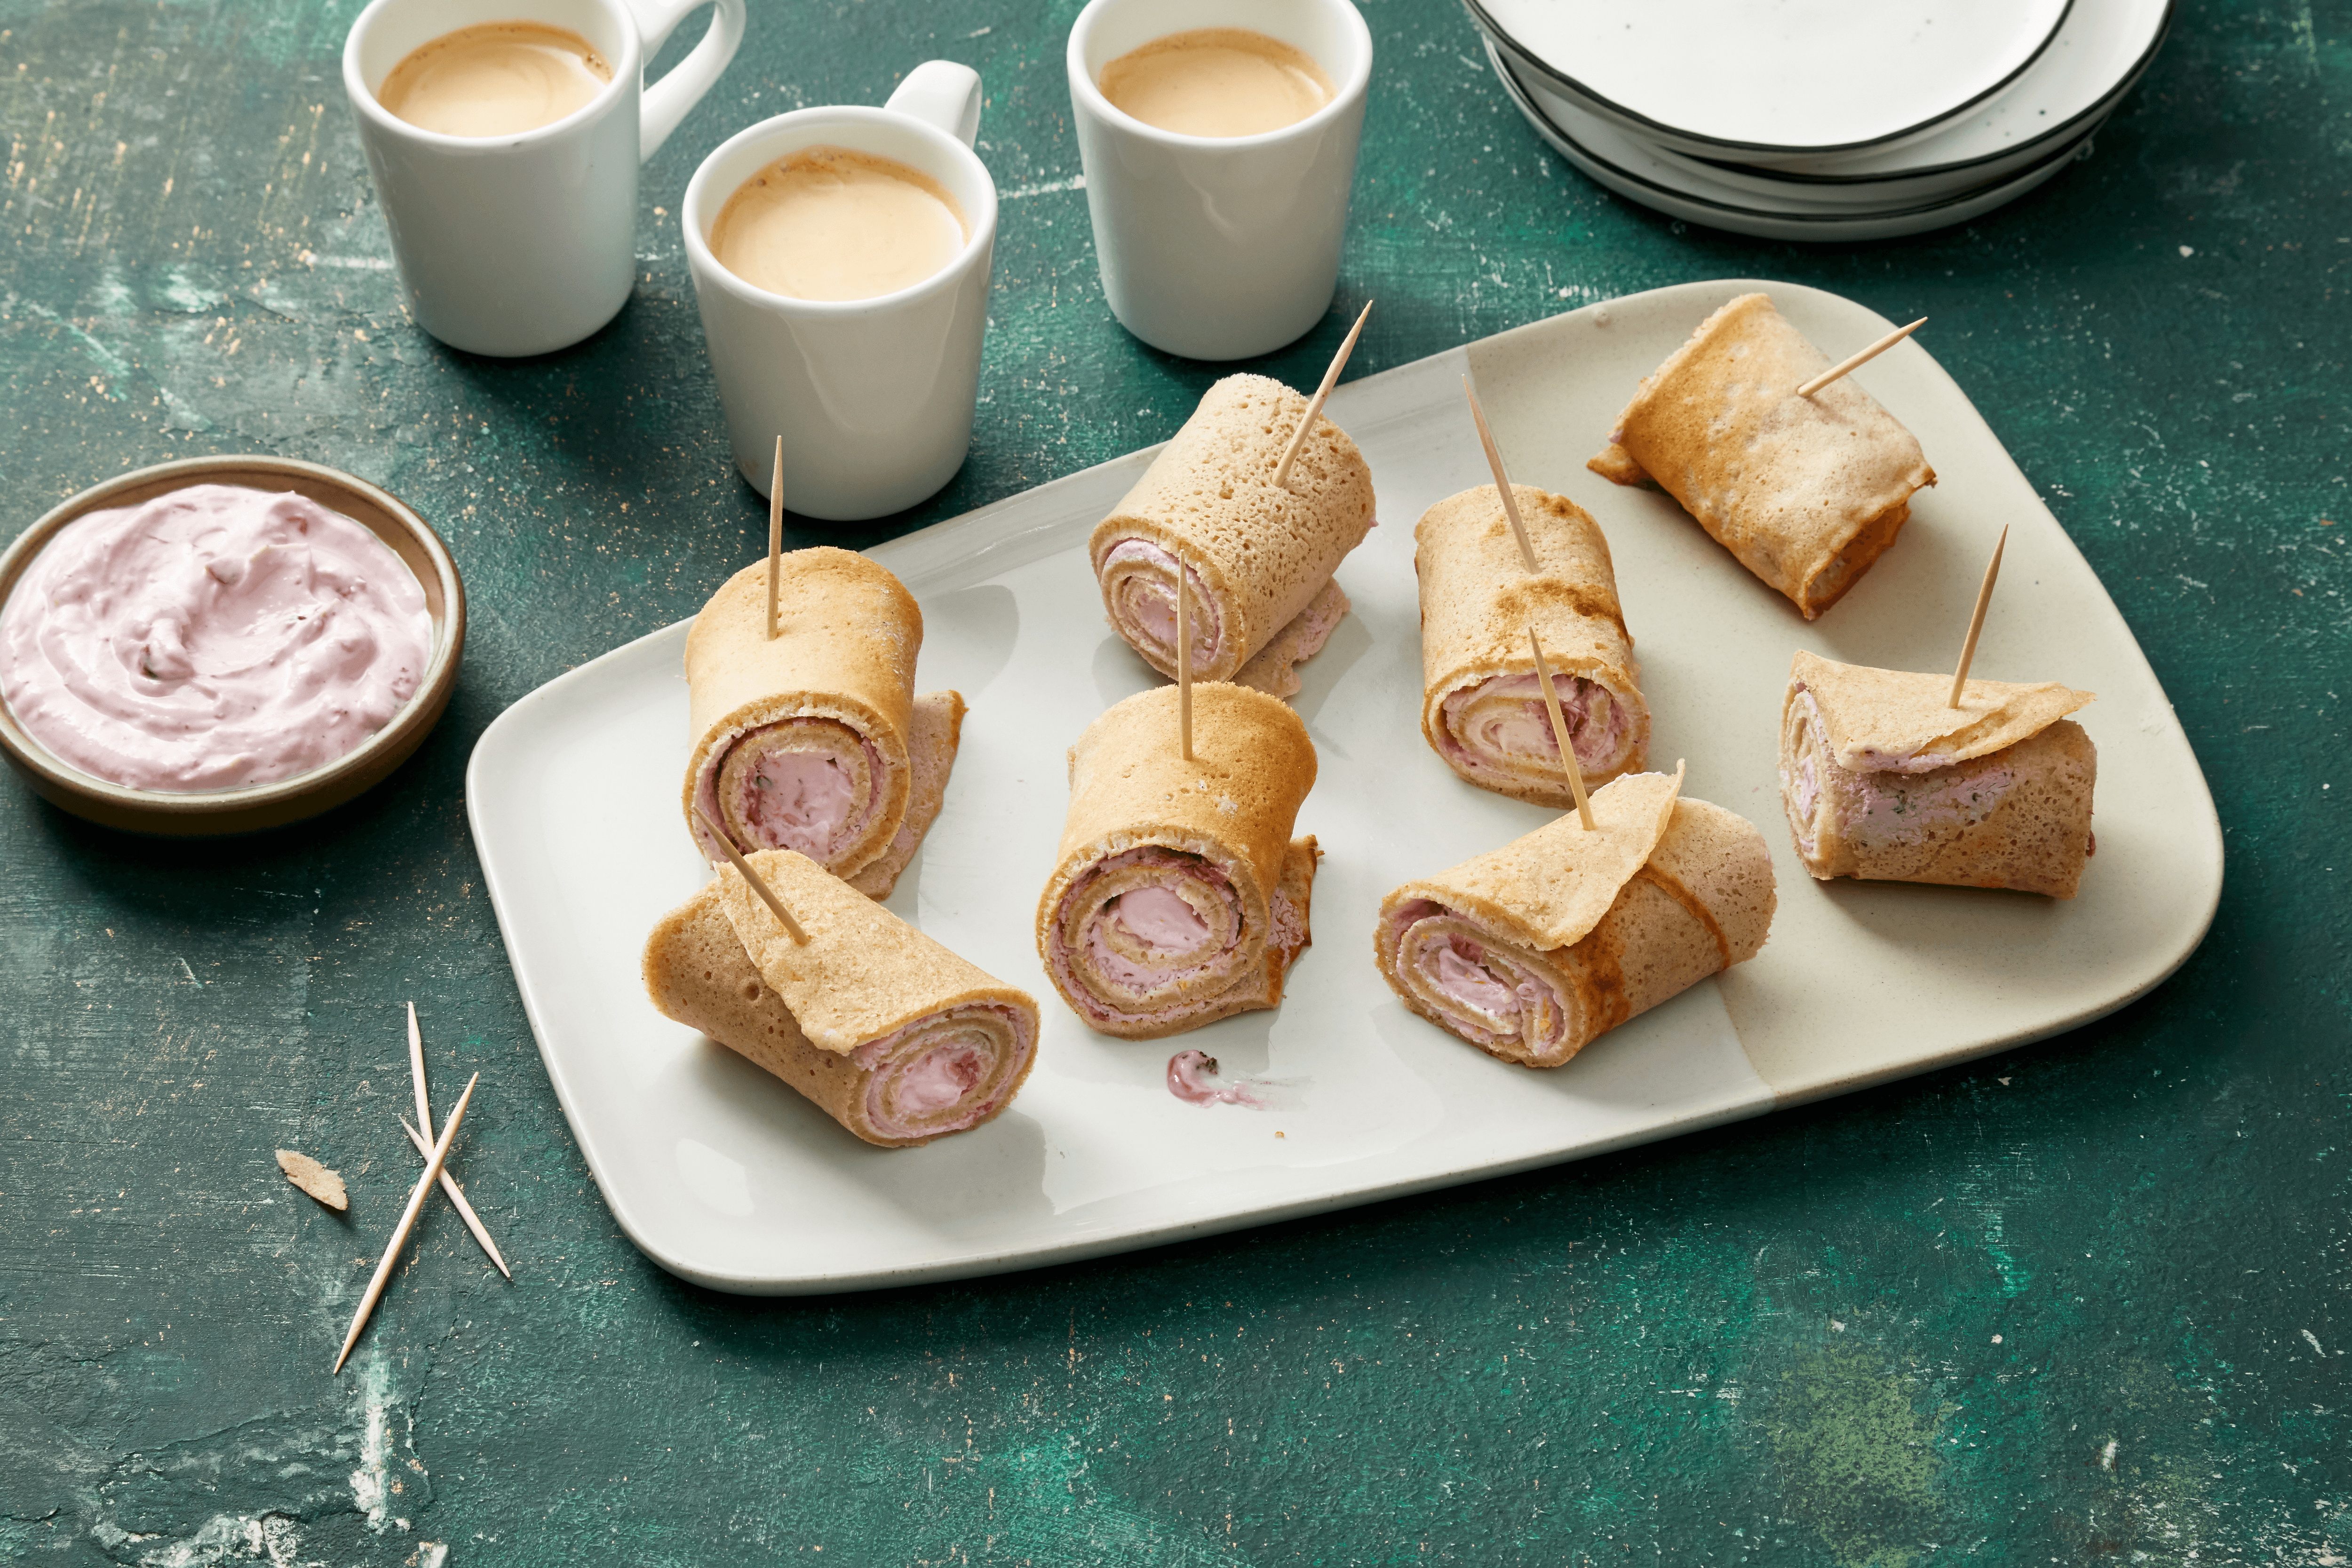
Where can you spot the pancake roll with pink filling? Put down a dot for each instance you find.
(1534, 950)
(1180, 897)
(814, 740)
(1481, 708)
(1807, 492)
(1883, 781)
(889, 1033)
(1257, 557)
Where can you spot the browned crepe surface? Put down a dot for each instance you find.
(847, 634)
(937, 730)
(863, 972)
(1703, 901)
(1478, 603)
(1209, 499)
(1552, 886)
(697, 973)
(1806, 492)
(1898, 719)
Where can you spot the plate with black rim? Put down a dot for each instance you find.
(1793, 79)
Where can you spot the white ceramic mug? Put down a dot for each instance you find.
(1219, 247)
(874, 398)
(526, 244)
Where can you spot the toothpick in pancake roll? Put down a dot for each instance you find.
(1532, 951)
(887, 1032)
(1807, 492)
(1260, 556)
(1883, 781)
(1481, 709)
(813, 740)
(1180, 897)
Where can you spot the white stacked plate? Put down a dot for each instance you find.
(1821, 119)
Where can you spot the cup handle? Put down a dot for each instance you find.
(667, 100)
(942, 93)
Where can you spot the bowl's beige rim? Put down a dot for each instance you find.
(286, 800)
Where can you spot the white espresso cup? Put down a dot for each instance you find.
(874, 398)
(525, 243)
(1219, 247)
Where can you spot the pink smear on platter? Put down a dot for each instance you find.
(1190, 1075)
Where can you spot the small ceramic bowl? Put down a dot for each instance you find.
(250, 809)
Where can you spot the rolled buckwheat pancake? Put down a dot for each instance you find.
(1481, 709)
(1884, 782)
(1806, 491)
(814, 740)
(1179, 896)
(1259, 557)
(1532, 951)
(890, 1034)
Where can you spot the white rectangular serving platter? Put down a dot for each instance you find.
(725, 1177)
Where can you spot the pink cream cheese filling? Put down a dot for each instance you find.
(1153, 924)
(211, 638)
(1160, 917)
(1457, 976)
(800, 799)
(1518, 727)
(1886, 807)
(1144, 606)
(930, 1068)
(809, 804)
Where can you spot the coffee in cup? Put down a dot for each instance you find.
(499, 79)
(1216, 81)
(827, 223)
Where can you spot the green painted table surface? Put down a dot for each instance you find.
(2085, 1302)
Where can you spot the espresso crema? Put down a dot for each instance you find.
(500, 78)
(827, 223)
(1216, 81)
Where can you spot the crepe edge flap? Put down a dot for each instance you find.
(863, 972)
(1551, 887)
(1896, 721)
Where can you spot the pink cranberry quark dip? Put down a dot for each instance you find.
(210, 639)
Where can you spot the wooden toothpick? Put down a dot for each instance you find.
(1560, 736)
(1184, 663)
(1502, 480)
(1314, 404)
(425, 1145)
(433, 1163)
(759, 884)
(1976, 621)
(776, 535)
(458, 1198)
(1844, 366)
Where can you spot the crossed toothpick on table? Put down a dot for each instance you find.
(436, 1156)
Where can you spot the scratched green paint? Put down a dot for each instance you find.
(2081, 1303)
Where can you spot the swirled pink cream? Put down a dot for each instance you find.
(1142, 580)
(1501, 725)
(211, 638)
(947, 1071)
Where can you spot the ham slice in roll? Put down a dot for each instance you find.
(1180, 897)
(1805, 491)
(813, 740)
(893, 1036)
(1884, 782)
(1534, 950)
(1258, 557)
(1481, 709)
